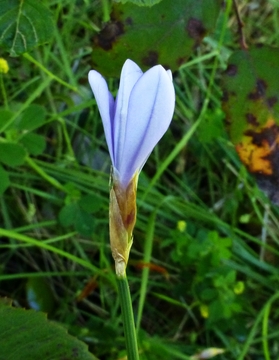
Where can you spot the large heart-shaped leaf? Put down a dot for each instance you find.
(27, 334)
(163, 34)
(24, 24)
(251, 94)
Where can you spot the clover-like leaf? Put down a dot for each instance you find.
(35, 144)
(32, 117)
(12, 154)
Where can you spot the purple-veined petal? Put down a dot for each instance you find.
(105, 104)
(129, 76)
(150, 111)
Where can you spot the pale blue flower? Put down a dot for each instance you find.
(137, 119)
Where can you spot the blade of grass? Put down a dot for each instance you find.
(43, 245)
(145, 271)
(49, 73)
(252, 334)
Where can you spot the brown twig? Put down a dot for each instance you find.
(240, 26)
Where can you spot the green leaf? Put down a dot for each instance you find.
(4, 180)
(91, 203)
(67, 214)
(5, 116)
(212, 127)
(27, 334)
(251, 90)
(209, 294)
(24, 24)
(163, 34)
(231, 277)
(73, 194)
(217, 310)
(84, 223)
(39, 295)
(251, 104)
(32, 118)
(12, 154)
(73, 214)
(35, 144)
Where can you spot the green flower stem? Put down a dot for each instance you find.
(128, 318)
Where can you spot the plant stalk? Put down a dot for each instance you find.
(128, 318)
(3, 90)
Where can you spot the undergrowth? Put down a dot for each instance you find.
(203, 269)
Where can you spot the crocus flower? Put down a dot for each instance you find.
(133, 123)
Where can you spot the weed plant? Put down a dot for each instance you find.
(203, 268)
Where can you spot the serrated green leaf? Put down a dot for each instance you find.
(35, 144)
(4, 180)
(27, 334)
(24, 24)
(32, 118)
(12, 154)
(162, 34)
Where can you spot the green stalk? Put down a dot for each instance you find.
(3, 90)
(106, 10)
(128, 318)
(148, 244)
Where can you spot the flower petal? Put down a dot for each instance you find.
(170, 74)
(106, 107)
(150, 111)
(129, 76)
